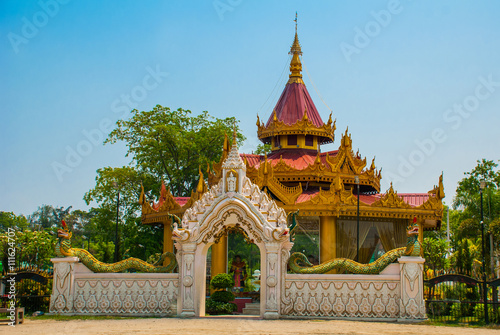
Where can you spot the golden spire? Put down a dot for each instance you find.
(200, 188)
(295, 64)
(234, 133)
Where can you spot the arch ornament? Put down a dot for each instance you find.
(234, 202)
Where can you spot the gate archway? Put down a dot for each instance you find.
(234, 202)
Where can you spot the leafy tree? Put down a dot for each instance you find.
(171, 145)
(33, 248)
(435, 251)
(467, 193)
(10, 220)
(47, 216)
(263, 149)
(465, 220)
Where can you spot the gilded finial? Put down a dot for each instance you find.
(305, 118)
(200, 187)
(234, 133)
(226, 144)
(258, 120)
(295, 22)
(295, 64)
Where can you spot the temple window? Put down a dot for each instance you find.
(292, 139)
(309, 140)
(276, 141)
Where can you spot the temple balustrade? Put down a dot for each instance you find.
(396, 294)
(79, 291)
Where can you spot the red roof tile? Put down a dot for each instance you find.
(299, 158)
(306, 196)
(252, 159)
(369, 199)
(414, 199)
(181, 201)
(292, 103)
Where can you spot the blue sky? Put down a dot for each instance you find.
(418, 83)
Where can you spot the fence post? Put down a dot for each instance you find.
(61, 300)
(412, 303)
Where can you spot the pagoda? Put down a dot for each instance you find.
(337, 192)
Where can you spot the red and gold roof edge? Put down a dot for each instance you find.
(344, 163)
(153, 213)
(301, 127)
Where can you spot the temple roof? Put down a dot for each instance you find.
(295, 112)
(295, 100)
(298, 159)
(293, 103)
(412, 199)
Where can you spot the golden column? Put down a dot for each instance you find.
(327, 238)
(219, 257)
(168, 243)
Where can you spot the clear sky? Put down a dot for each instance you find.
(416, 82)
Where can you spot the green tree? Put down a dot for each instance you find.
(263, 149)
(10, 220)
(33, 248)
(126, 181)
(47, 216)
(171, 145)
(435, 251)
(465, 220)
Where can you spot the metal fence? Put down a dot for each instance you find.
(32, 290)
(457, 298)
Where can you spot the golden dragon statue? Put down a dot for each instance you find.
(299, 263)
(64, 249)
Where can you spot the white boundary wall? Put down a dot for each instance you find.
(396, 294)
(77, 290)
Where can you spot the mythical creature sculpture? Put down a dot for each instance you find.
(299, 263)
(282, 231)
(181, 233)
(64, 249)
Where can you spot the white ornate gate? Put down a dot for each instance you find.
(234, 202)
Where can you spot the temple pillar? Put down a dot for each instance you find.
(219, 257)
(327, 238)
(412, 303)
(168, 243)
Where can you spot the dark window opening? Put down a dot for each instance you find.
(292, 139)
(309, 140)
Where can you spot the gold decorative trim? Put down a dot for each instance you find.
(301, 127)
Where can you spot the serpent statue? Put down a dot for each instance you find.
(63, 249)
(294, 221)
(299, 263)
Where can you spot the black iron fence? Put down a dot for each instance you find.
(32, 290)
(458, 298)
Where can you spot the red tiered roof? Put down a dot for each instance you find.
(298, 158)
(291, 106)
(413, 199)
(181, 201)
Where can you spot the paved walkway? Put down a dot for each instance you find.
(229, 326)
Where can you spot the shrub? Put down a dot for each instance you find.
(217, 307)
(219, 303)
(222, 281)
(456, 310)
(493, 314)
(222, 296)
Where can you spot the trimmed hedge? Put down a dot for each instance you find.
(222, 281)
